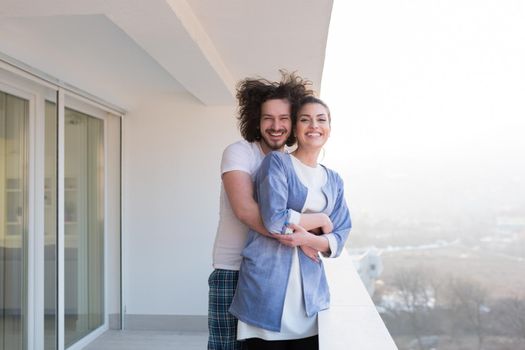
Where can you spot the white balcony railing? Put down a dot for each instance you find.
(352, 322)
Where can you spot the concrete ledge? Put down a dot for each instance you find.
(187, 323)
(352, 322)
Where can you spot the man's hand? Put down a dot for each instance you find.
(299, 237)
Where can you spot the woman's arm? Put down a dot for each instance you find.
(301, 237)
(272, 195)
(331, 243)
(340, 217)
(315, 223)
(238, 186)
(271, 186)
(312, 221)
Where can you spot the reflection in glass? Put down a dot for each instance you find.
(84, 225)
(50, 228)
(14, 118)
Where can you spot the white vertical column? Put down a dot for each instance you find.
(39, 226)
(105, 195)
(123, 298)
(31, 232)
(60, 221)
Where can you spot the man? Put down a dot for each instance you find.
(266, 112)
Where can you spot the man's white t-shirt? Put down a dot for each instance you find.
(231, 233)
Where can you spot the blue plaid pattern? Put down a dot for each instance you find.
(222, 325)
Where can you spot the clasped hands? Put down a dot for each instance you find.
(304, 239)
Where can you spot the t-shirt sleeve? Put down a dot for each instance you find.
(237, 156)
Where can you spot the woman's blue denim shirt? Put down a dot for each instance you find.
(265, 268)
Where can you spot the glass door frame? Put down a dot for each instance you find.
(87, 107)
(8, 86)
(24, 84)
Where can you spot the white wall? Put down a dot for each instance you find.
(172, 151)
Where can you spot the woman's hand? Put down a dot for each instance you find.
(310, 252)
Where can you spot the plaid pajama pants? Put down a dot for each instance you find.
(222, 325)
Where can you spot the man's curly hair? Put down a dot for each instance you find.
(252, 93)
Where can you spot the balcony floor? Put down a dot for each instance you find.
(149, 340)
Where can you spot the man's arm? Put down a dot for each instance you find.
(239, 189)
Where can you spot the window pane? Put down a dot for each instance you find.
(84, 225)
(14, 116)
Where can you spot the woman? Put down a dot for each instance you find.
(281, 290)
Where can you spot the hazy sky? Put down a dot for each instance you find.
(428, 104)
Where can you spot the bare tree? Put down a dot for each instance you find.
(416, 296)
(511, 315)
(468, 301)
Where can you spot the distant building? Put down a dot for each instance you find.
(369, 265)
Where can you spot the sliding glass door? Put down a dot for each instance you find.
(54, 236)
(14, 130)
(84, 224)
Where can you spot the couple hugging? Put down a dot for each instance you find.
(280, 211)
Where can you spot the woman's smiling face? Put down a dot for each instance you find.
(313, 126)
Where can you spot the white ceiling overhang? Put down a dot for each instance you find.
(138, 47)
